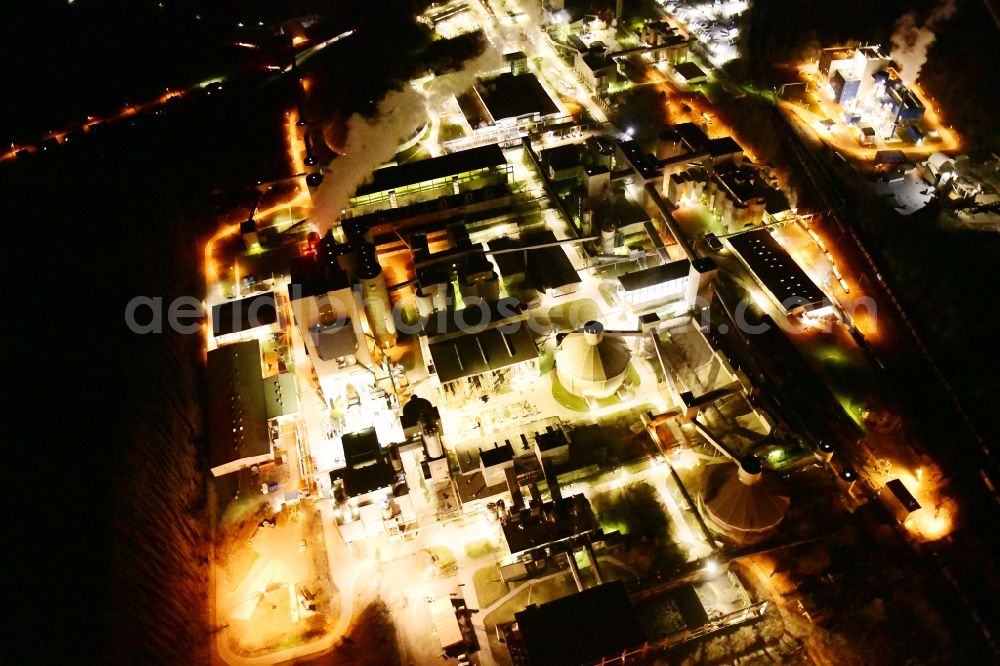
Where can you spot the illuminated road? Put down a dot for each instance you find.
(129, 110)
(308, 53)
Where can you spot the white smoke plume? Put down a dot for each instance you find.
(458, 82)
(371, 142)
(911, 40)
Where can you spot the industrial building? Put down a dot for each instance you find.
(739, 502)
(547, 527)
(447, 174)
(514, 62)
(592, 363)
(242, 404)
(243, 319)
(690, 73)
(562, 162)
(874, 98)
(579, 629)
(328, 320)
(370, 491)
(546, 269)
(780, 275)
(507, 99)
(478, 351)
(850, 73)
(657, 284)
(381, 226)
(665, 42)
(742, 197)
(898, 108)
(597, 68)
(552, 445)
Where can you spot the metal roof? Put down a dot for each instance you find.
(496, 455)
(280, 397)
(675, 270)
(390, 178)
(690, 71)
(510, 96)
(476, 353)
(237, 412)
(244, 314)
(334, 341)
(581, 628)
(779, 273)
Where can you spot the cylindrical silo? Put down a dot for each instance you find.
(375, 297)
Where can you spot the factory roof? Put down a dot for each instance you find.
(509, 263)
(497, 455)
(510, 96)
(840, 52)
(577, 43)
(551, 439)
(690, 71)
(280, 397)
(704, 264)
(602, 144)
(363, 480)
(724, 145)
(472, 319)
(390, 178)
(360, 447)
(871, 52)
(598, 60)
(743, 184)
(900, 492)
(581, 628)
(309, 278)
(476, 353)
(417, 408)
(692, 136)
(779, 273)
(673, 611)
(595, 169)
(638, 159)
(845, 76)
(675, 270)
(901, 96)
(237, 411)
(405, 215)
(562, 157)
(334, 341)
(557, 520)
(244, 314)
(548, 267)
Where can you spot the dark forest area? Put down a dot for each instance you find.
(939, 270)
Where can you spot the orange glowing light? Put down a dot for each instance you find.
(935, 518)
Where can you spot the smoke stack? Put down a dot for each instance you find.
(593, 332)
(750, 471)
